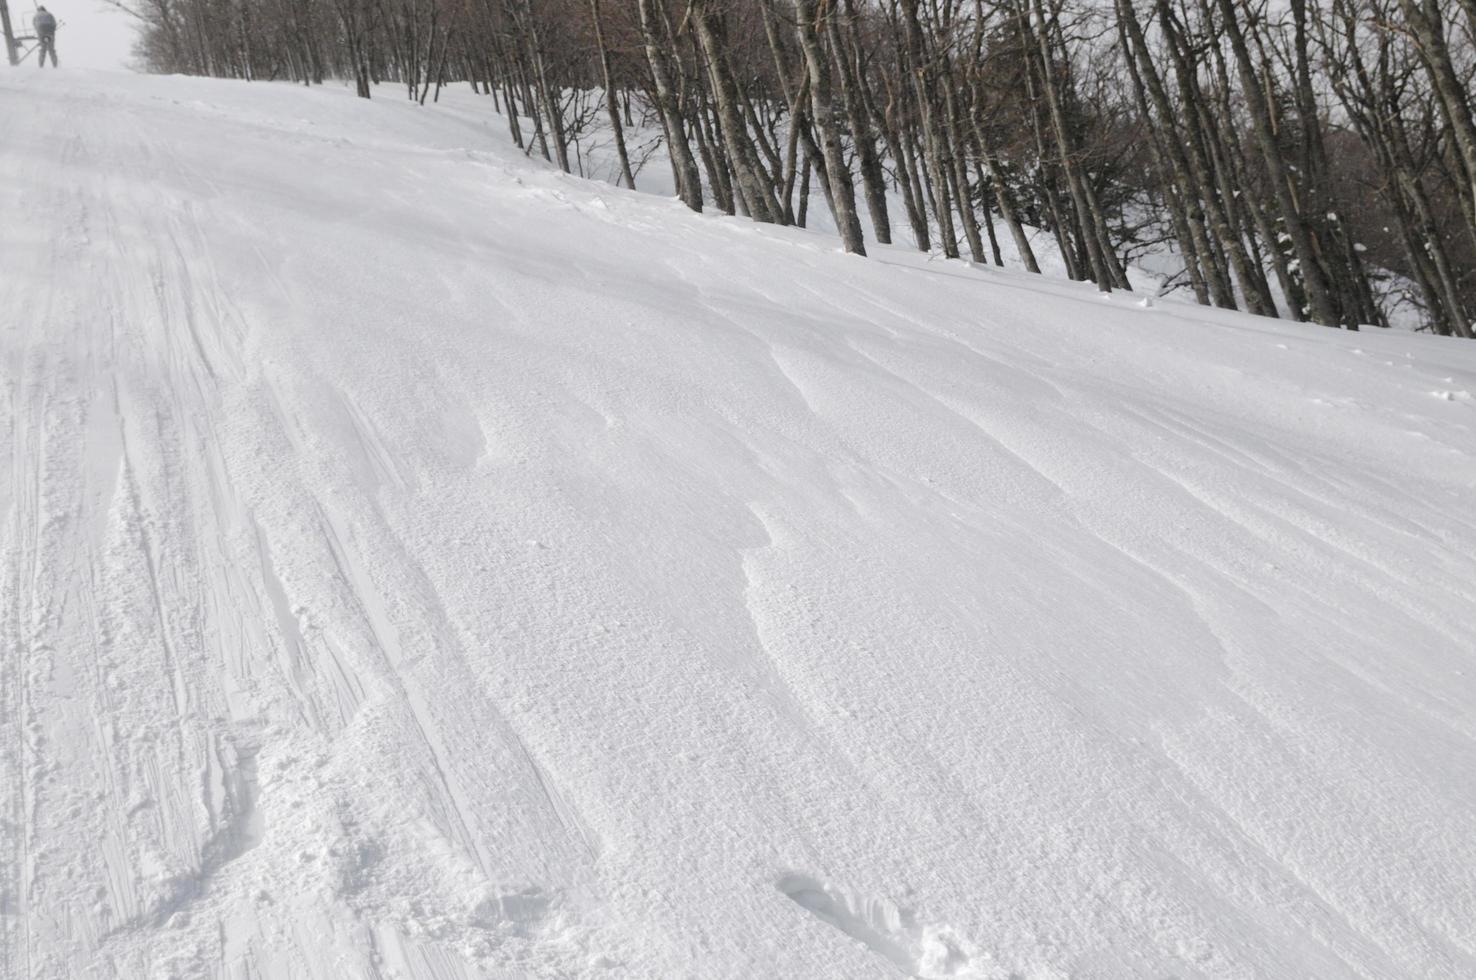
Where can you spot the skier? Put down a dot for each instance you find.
(45, 25)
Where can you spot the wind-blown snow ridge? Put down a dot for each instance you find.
(418, 563)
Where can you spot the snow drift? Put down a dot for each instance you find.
(419, 563)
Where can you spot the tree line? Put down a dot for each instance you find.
(1305, 158)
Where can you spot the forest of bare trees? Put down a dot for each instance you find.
(1305, 158)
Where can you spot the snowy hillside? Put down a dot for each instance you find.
(418, 563)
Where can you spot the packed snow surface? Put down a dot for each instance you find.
(419, 563)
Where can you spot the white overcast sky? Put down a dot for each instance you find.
(91, 34)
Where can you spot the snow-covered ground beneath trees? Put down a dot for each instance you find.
(418, 563)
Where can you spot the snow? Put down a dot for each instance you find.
(419, 563)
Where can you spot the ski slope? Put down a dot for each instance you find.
(421, 564)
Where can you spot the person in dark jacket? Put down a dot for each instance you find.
(45, 24)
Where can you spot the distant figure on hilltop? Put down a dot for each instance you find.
(45, 24)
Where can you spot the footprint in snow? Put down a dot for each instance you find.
(523, 911)
(914, 947)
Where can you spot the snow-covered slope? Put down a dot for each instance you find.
(418, 563)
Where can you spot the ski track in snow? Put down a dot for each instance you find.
(418, 563)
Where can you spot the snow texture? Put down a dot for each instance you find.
(421, 564)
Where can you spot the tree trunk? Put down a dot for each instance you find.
(822, 115)
(689, 180)
(611, 107)
(1319, 295)
(749, 179)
